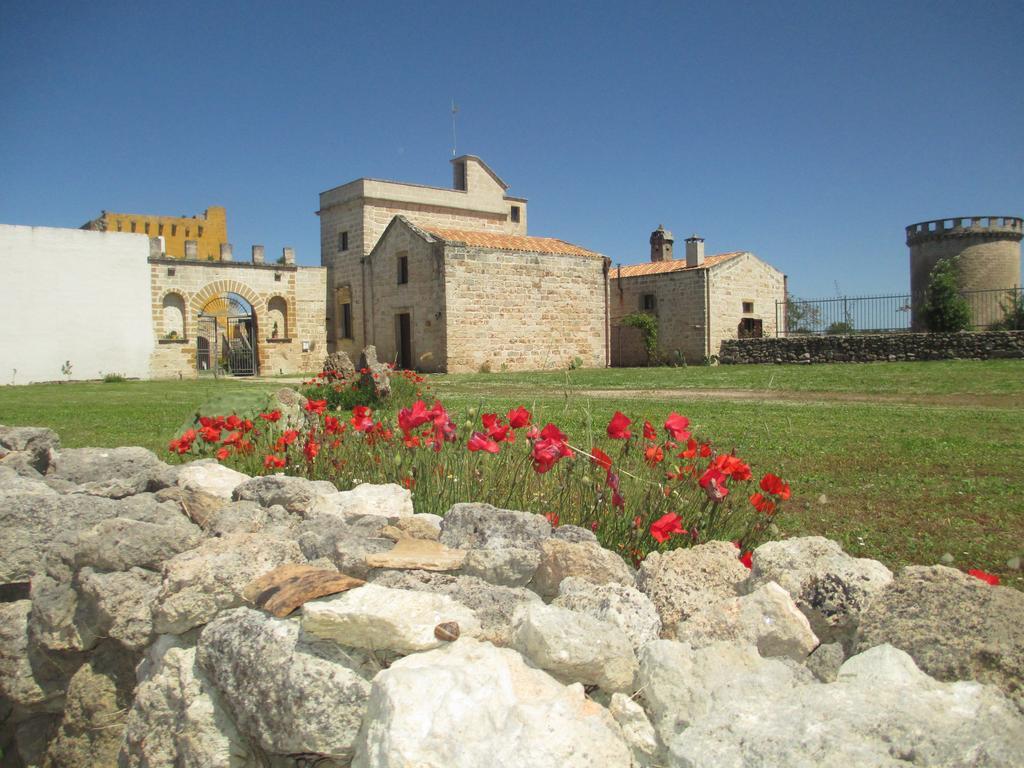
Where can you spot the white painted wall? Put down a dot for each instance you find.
(70, 294)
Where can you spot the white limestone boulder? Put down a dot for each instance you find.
(210, 478)
(470, 704)
(387, 500)
(380, 618)
(591, 562)
(639, 734)
(625, 607)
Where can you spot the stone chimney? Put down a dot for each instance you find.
(288, 254)
(694, 251)
(226, 252)
(156, 250)
(257, 254)
(192, 249)
(661, 244)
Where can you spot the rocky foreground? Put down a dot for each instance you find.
(155, 615)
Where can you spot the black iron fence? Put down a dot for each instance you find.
(990, 310)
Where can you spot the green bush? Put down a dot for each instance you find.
(945, 310)
(113, 378)
(839, 328)
(648, 325)
(1013, 314)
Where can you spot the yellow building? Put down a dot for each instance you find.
(209, 229)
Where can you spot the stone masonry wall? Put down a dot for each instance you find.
(875, 347)
(679, 309)
(742, 279)
(302, 288)
(523, 311)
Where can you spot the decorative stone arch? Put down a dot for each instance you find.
(218, 288)
(280, 309)
(161, 318)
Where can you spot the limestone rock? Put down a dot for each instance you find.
(121, 604)
(575, 647)
(118, 543)
(495, 606)
(639, 734)
(387, 500)
(625, 607)
(199, 583)
(955, 627)
(178, 718)
(18, 685)
(24, 464)
(214, 479)
(767, 618)
(344, 541)
(418, 554)
(681, 685)
(481, 526)
(285, 588)
(828, 585)
(513, 567)
(296, 494)
(681, 582)
(561, 559)
(825, 662)
(111, 472)
(340, 364)
(35, 442)
(573, 533)
(421, 525)
(379, 618)
(882, 711)
(285, 698)
(470, 704)
(374, 375)
(57, 623)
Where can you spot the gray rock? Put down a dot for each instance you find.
(24, 464)
(211, 478)
(683, 582)
(575, 647)
(199, 583)
(825, 662)
(494, 606)
(374, 375)
(955, 627)
(681, 685)
(386, 500)
(422, 525)
(35, 442)
(470, 704)
(561, 559)
(481, 526)
(345, 542)
(111, 472)
(639, 734)
(828, 585)
(882, 711)
(573, 533)
(340, 364)
(766, 618)
(250, 517)
(178, 718)
(118, 543)
(296, 494)
(627, 608)
(286, 699)
(18, 685)
(120, 604)
(512, 567)
(57, 622)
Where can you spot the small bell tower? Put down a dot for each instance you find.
(661, 244)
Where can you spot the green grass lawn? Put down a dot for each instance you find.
(902, 482)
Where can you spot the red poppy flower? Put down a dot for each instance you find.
(246, 426)
(232, 422)
(691, 449)
(600, 458)
(272, 416)
(774, 485)
(666, 525)
(551, 432)
(649, 433)
(747, 558)
(593, 525)
(618, 427)
(223, 453)
(731, 466)
(409, 482)
(290, 436)
(273, 462)
(552, 517)
(677, 426)
(210, 434)
(311, 449)
(986, 577)
(481, 442)
(653, 455)
(518, 418)
(361, 420)
(713, 483)
(495, 429)
(315, 406)
(762, 503)
(411, 418)
(545, 454)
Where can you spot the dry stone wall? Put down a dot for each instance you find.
(875, 347)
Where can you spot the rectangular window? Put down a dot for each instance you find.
(403, 270)
(147, 227)
(648, 302)
(748, 307)
(160, 230)
(119, 226)
(346, 321)
(187, 233)
(133, 226)
(174, 230)
(343, 241)
(200, 232)
(514, 215)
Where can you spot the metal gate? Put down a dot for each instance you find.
(226, 337)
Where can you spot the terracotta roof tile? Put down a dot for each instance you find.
(676, 265)
(503, 242)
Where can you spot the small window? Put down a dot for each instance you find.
(403, 270)
(346, 321)
(133, 226)
(187, 233)
(119, 226)
(147, 227)
(277, 277)
(648, 303)
(748, 307)
(200, 232)
(174, 230)
(343, 242)
(514, 215)
(160, 230)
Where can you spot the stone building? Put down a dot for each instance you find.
(987, 249)
(448, 280)
(208, 231)
(698, 301)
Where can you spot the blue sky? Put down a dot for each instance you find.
(809, 133)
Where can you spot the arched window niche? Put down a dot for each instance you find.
(277, 319)
(173, 320)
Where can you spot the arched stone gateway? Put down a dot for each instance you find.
(226, 337)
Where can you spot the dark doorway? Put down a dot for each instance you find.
(403, 327)
(749, 328)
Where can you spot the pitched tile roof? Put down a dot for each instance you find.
(675, 265)
(503, 242)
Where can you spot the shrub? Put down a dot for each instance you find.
(638, 488)
(648, 325)
(945, 310)
(344, 395)
(1013, 313)
(839, 328)
(113, 378)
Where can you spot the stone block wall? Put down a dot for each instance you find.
(520, 311)
(875, 347)
(744, 278)
(679, 308)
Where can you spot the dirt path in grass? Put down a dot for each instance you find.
(788, 396)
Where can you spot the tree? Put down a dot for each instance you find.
(801, 316)
(1013, 313)
(945, 310)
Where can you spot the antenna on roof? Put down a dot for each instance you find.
(455, 111)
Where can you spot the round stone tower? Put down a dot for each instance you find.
(988, 248)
